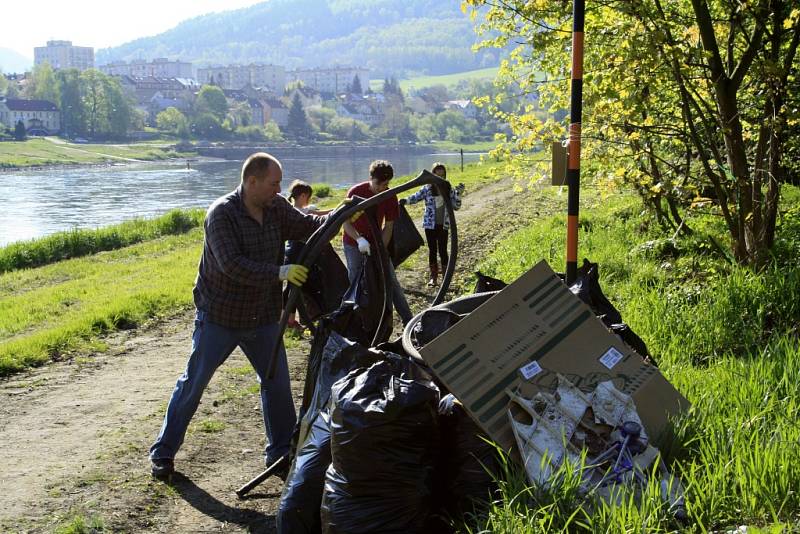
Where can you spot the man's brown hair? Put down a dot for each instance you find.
(258, 165)
(381, 170)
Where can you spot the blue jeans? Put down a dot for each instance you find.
(353, 257)
(211, 346)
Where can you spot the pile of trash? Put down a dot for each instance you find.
(400, 437)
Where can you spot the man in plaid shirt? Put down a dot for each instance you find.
(238, 298)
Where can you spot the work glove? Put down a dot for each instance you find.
(293, 273)
(403, 202)
(460, 188)
(363, 246)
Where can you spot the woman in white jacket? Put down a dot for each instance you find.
(435, 220)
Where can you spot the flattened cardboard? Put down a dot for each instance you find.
(520, 339)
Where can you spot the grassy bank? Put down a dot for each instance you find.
(53, 151)
(726, 337)
(126, 274)
(82, 242)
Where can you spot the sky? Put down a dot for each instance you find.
(98, 24)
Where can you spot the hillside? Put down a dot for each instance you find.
(414, 37)
(11, 61)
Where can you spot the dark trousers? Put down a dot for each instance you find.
(437, 240)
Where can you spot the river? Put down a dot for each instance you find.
(40, 202)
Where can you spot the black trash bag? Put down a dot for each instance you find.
(359, 316)
(587, 288)
(384, 444)
(487, 283)
(431, 324)
(405, 240)
(299, 511)
(468, 465)
(326, 285)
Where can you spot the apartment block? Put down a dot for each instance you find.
(158, 68)
(271, 77)
(334, 80)
(63, 55)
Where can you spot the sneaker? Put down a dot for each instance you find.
(162, 468)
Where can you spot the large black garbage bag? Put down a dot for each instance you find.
(484, 283)
(363, 305)
(405, 240)
(299, 511)
(384, 443)
(465, 479)
(326, 285)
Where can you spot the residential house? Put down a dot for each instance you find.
(466, 107)
(309, 97)
(272, 77)
(276, 111)
(159, 68)
(40, 117)
(364, 110)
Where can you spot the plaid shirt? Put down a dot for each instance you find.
(237, 281)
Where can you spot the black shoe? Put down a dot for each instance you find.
(162, 468)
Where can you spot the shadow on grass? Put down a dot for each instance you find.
(205, 503)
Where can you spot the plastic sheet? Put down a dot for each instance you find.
(406, 239)
(384, 443)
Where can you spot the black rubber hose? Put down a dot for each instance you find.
(333, 225)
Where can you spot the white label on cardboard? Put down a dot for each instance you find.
(530, 370)
(611, 358)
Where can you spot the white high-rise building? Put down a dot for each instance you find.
(331, 80)
(62, 55)
(158, 68)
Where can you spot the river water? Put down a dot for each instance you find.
(40, 202)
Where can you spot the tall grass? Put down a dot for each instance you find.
(81, 242)
(51, 311)
(725, 336)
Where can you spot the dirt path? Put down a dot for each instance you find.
(76, 434)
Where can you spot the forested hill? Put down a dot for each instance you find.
(387, 36)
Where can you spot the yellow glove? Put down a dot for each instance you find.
(354, 217)
(294, 274)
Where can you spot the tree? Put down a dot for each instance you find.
(44, 84)
(212, 100)
(119, 110)
(355, 87)
(207, 125)
(348, 129)
(297, 125)
(93, 100)
(73, 117)
(3, 84)
(689, 105)
(19, 131)
(321, 117)
(173, 121)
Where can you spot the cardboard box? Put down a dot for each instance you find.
(520, 339)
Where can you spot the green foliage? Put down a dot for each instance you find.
(76, 243)
(78, 524)
(211, 100)
(43, 84)
(207, 125)
(349, 129)
(173, 121)
(298, 124)
(19, 131)
(680, 101)
(322, 190)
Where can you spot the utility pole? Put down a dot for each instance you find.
(574, 159)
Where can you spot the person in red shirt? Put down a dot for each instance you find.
(357, 238)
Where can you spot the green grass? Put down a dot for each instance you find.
(726, 337)
(39, 152)
(81, 242)
(448, 80)
(79, 524)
